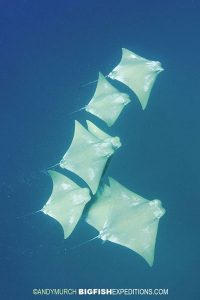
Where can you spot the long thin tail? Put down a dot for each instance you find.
(91, 82)
(30, 214)
(83, 243)
(75, 111)
(53, 166)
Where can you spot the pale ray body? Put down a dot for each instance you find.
(107, 102)
(126, 218)
(119, 215)
(88, 154)
(66, 202)
(138, 73)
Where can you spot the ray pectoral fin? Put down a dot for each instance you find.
(66, 202)
(144, 241)
(141, 225)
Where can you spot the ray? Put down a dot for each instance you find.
(66, 202)
(127, 219)
(88, 154)
(138, 73)
(107, 102)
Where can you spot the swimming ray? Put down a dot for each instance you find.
(138, 73)
(87, 156)
(126, 218)
(107, 102)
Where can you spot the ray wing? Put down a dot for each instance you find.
(66, 202)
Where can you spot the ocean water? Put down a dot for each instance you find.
(49, 49)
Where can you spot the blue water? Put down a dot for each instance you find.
(48, 50)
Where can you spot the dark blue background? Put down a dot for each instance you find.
(48, 49)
